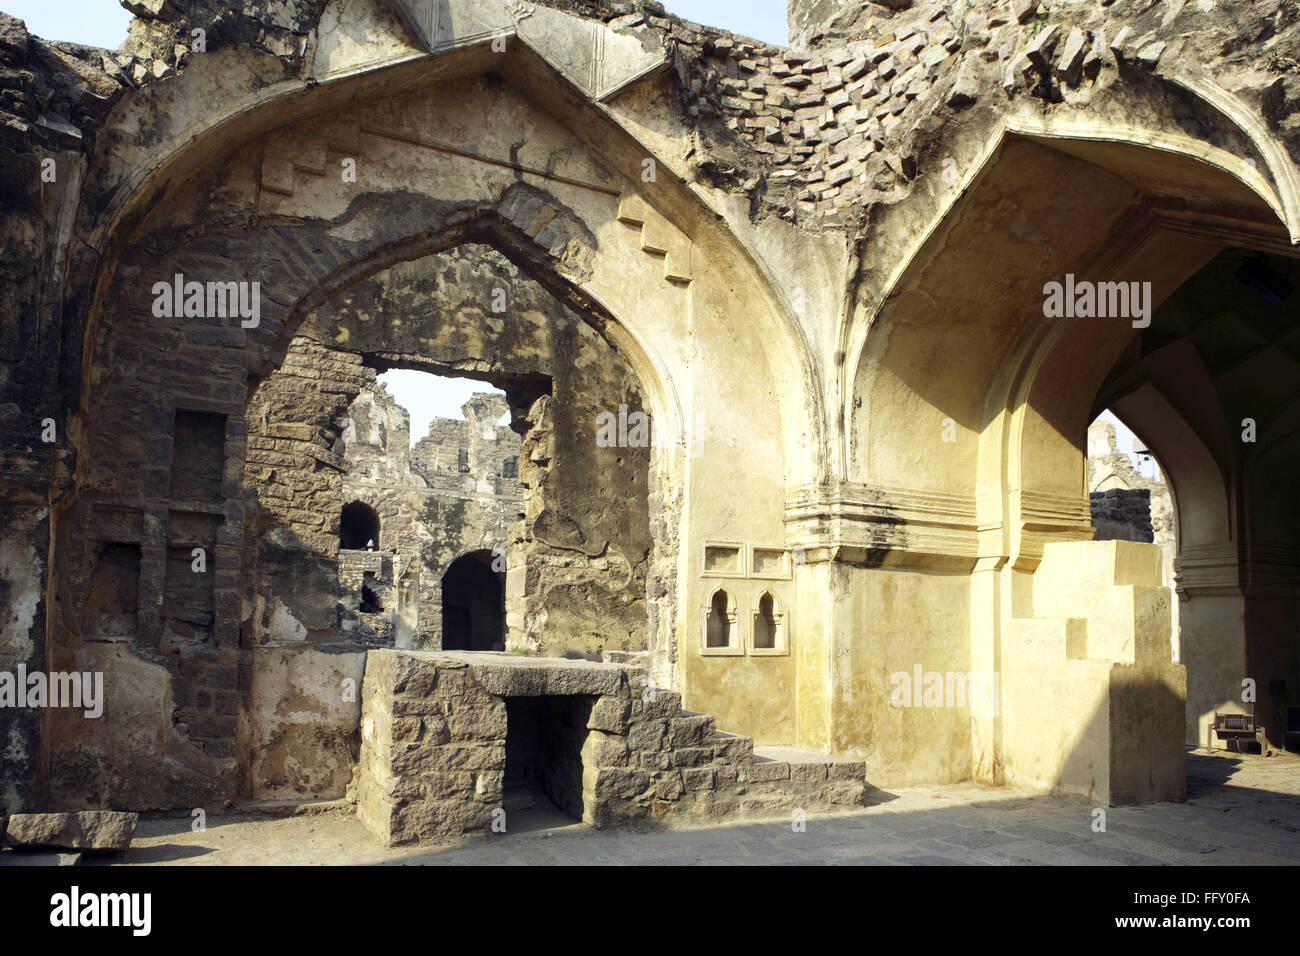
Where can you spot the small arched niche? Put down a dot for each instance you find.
(769, 630)
(358, 527)
(721, 635)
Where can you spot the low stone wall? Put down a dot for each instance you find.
(433, 749)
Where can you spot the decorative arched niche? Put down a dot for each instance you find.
(769, 635)
(719, 634)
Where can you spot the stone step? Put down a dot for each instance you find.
(802, 766)
(733, 748)
(691, 730)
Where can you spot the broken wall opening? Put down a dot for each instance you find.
(358, 527)
(431, 455)
(545, 737)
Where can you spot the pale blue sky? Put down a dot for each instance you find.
(427, 396)
(93, 22)
(103, 22)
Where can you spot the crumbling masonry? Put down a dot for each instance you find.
(818, 271)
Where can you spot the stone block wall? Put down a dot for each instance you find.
(436, 734)
(367, 596)
(1122, 514)
(293, 486)
(430, 512)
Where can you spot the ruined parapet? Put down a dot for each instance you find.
(484, 441)
(1121, 514)
(376, 437)
(854, 111)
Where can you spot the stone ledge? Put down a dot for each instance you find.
(508, 675)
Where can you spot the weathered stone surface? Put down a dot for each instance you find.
(1024, 10)
(809, 171)
(533, 677)
(611, 714)
(763, 772)
(84, 830)
(699, 778)
(662, 703)
(693, 731)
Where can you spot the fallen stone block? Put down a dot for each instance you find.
(86, 830)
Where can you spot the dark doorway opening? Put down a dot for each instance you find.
(473, 605)
(544, 741)
(358, 527)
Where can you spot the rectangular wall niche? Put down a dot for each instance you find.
(198, 456)
(111, 609)
(545, 737)
(723, 559)
(770, 563)
(188, 611)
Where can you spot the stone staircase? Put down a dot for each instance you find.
(434, 742)
(723, 774)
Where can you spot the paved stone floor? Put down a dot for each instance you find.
(1241, 809)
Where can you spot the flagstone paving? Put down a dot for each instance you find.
(1241, 809)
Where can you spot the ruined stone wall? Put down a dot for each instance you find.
(172, 402)
(368, 596)
(848, 115)
(846, 143)
(53, 99)
(436, 456)
(293, 485)
(1122, 514)
(580, 558)
(472, 453)
(430, 511)
(1112, 474)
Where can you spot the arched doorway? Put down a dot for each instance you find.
(473, 605)
(970, 347)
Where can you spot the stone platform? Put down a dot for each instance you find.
(438, 729)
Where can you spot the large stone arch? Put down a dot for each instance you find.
(235, 205)
(949, 337)
(1077, 368)
(236, 93)
(983, 377)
